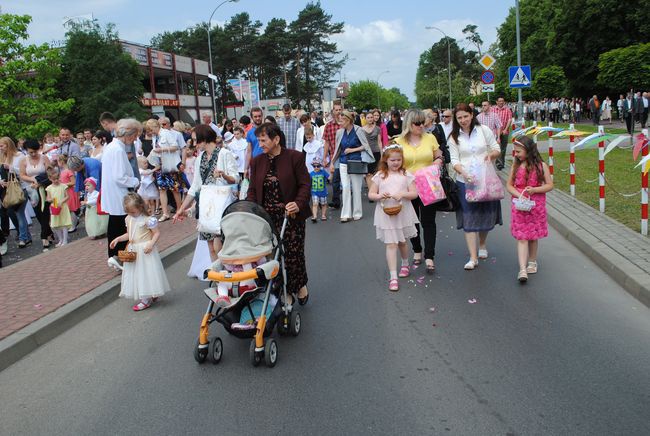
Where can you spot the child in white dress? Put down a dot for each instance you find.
(144, 279)
(392, 186)
(148, 189)
(314, 148)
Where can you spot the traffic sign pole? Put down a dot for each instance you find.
(520, 102)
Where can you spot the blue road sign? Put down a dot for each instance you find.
(487, 77)
(520, 76)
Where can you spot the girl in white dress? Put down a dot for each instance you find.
(144, 279)
(148, 189)
(390, 186)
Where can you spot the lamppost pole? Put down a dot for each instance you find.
(448, 59)
(380, 74)
(520, 101)
(214, 104)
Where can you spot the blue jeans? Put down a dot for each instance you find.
(17, 214)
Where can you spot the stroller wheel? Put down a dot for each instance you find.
(253, 355)
(294, 323)
(215, 350)
(200, 353)
(271, 353)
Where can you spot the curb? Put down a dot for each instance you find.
(630, 277)
(17, 345)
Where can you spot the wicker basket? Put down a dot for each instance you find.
(126, 255)
(391, 210)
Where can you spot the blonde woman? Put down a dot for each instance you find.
(10, 159)
(163, 142)
(421, 149)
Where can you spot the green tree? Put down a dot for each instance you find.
(367, 94)
(625, 68)
(29, 102)
(314, 55)
(272, 53)
(100, 76)
(549, 82)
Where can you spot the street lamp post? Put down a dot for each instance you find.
(520, 101)
(214, 104)
(448, 59)
(380, 74)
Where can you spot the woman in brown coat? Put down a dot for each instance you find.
(280, 183)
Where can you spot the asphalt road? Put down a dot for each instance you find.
(566, 354)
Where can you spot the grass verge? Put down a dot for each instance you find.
(621, 177)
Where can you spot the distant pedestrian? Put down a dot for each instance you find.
(505, 116)
(319, 179)
(289, 125)
(96, 224)
(143, 279)
(530, 178)
(395, 219)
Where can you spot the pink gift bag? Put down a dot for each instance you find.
(427, 182)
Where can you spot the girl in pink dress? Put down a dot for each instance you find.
(391, 187)
(529, 175)
(68, 178)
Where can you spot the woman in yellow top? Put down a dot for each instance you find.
(421, 150)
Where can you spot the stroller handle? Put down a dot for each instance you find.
(226, 276)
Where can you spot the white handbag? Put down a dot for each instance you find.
(170, 161)
(523, 204)
(243, 189)
(213, 199)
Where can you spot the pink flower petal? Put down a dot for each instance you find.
(432, 309)
(472, 301)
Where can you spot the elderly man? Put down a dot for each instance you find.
(109, 123)
(116, 180)
(289, 126)
(68, 146)
(207, 120)
(447, 124)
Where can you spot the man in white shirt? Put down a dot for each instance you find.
(117, 180)
(644, 115)
(207, 120)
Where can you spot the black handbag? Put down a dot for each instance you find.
(357, 167)
(451, 203)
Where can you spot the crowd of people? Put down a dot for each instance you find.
(129, 176)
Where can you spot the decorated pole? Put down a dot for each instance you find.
(550, 149)
(644, 190)
(572, 163)
(601, 171)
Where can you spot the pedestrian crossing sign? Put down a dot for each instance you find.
(520, 76)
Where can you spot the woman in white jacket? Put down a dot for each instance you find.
(469, 144)
(216, 165)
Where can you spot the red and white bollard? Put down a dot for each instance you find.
(644, 191)
(572, 163)
(550, 150)
(601, 172)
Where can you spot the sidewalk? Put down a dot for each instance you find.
(36, 287)
(619, 251)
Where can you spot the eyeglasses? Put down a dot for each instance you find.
(316, 166)
(418, 123)
(445, 116)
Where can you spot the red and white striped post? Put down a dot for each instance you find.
(572, 163)
(644, 191)
(601, 172)
(550, 150)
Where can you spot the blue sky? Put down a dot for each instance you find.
(379, 35)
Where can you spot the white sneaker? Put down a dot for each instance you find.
(482, 254)
(471, 264)
(113, 263)
(4, 248)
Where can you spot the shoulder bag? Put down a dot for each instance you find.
(14, 194)
(451, 202)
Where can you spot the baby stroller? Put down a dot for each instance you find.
(254, 300)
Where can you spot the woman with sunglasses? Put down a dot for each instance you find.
(421, 149)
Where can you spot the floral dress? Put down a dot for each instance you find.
(207, 168)
(294, 235)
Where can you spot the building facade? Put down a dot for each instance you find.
(176, 86)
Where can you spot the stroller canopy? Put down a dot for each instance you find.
(248, 233)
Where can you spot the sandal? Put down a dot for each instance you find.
(303, 300)
(522, 276)
(404, 271)
(142, 305)
(471, 265)
(417, 260)
(393, 285)
(163, 218)
(482, 253)
(323, 218)
(532, 267)
(431, 267)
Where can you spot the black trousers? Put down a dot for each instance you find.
(336, 188)
(629, 123)
(116, 227)
(43, 217)
(427, 216)
(503, 144)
